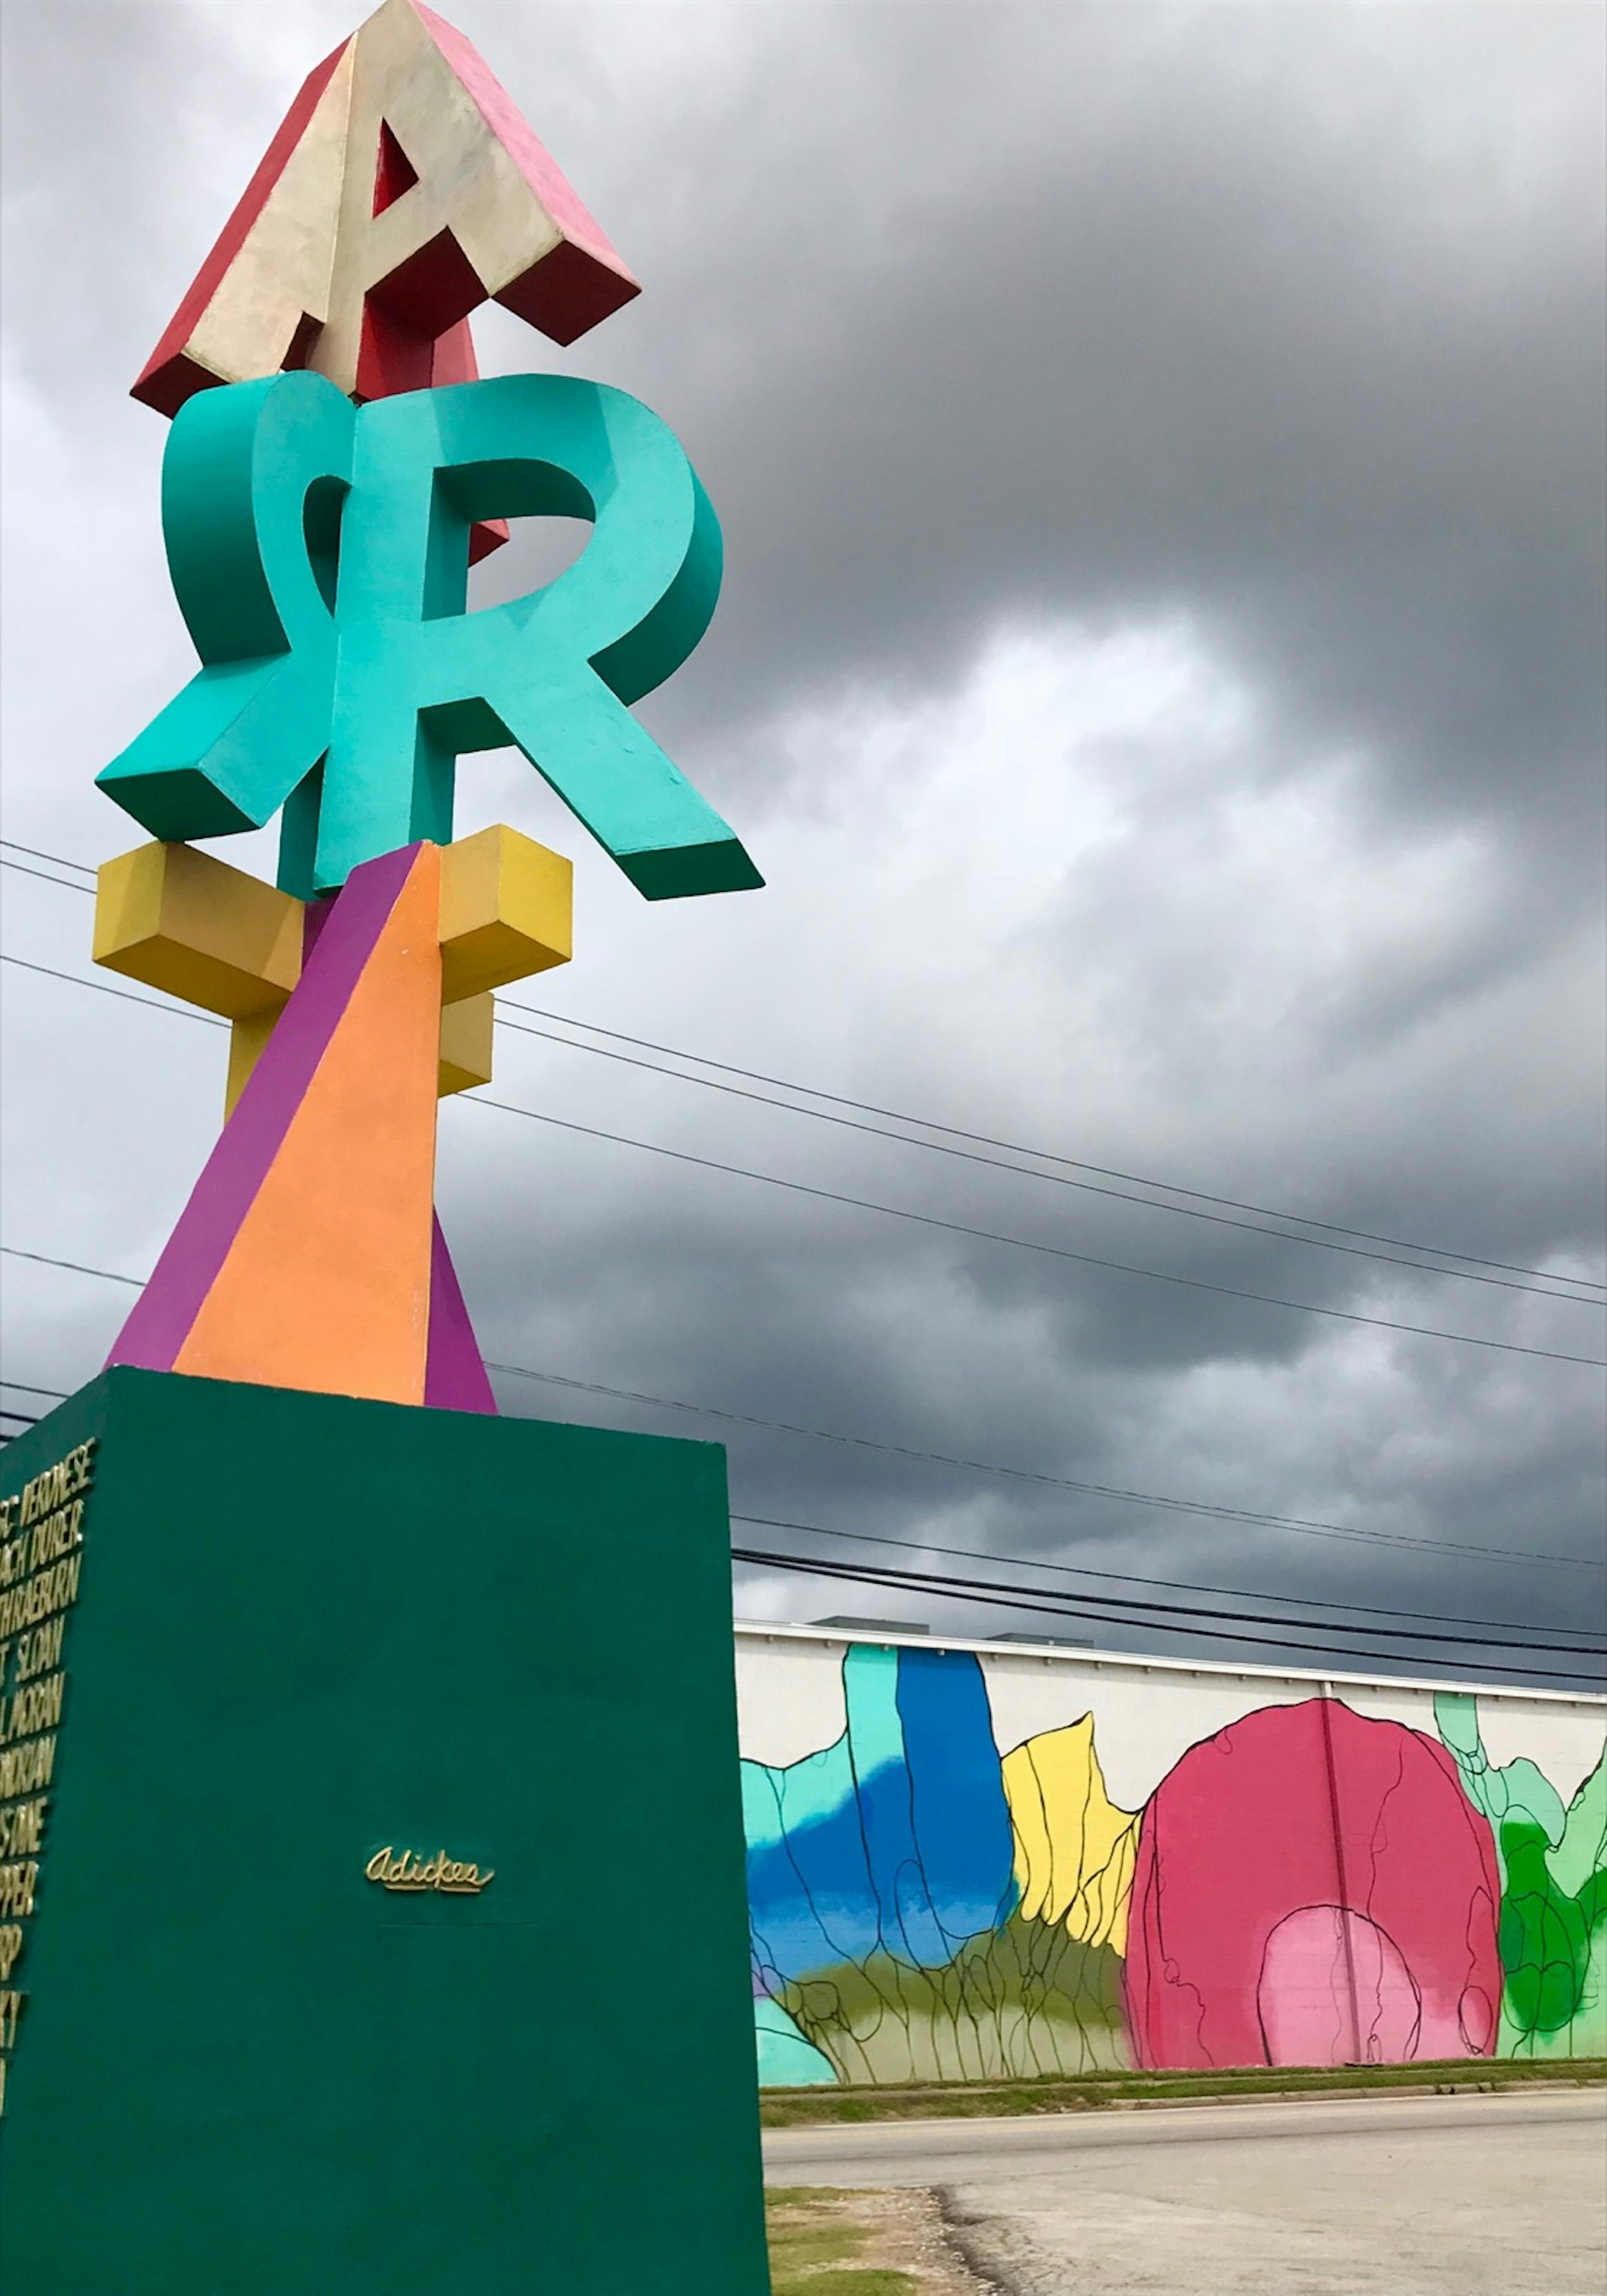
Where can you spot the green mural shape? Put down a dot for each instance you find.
(320, 552)
(1553, 1863)
(1020, 2002)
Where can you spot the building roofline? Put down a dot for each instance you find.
(1127, 1662)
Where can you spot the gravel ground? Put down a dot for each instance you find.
(1467, 2196)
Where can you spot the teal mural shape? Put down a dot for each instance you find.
(1552, 1862)
(319, 553)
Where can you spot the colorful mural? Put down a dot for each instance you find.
(1308, 1883)
(1553, 1864)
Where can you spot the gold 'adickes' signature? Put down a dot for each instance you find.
(405, 1869)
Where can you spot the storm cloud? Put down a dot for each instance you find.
(1160, 457)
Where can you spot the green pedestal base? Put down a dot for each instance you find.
(307, 1630)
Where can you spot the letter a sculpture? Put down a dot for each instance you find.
(381, 1925)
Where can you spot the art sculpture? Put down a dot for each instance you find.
(336, 2088)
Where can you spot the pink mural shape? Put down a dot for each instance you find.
(1312, 1888)
(1318, 1963)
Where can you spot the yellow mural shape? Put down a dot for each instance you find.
(1073, 1848)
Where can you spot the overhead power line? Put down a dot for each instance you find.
(1503, 1627)
(930, 1583)
(1427, 1628)
(1210, 1509)
(1328, 1229)
(1096, 1605)
(1057, 1179)
(1024, 1244)
(1092, 1605)
(1095, 1608)
(925, 1219)
(61, 860)
(1045, 1155)
(73, 1267)
(1248, 1516)
(107, 988)
(43, 875)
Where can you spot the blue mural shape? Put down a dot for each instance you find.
(894, 1842)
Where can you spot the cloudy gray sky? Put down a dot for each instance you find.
(1160, 673)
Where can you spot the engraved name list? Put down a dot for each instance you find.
(41, 1556)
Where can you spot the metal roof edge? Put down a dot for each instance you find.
(1127, 1662)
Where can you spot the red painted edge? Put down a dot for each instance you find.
(170, 375)
(485, 535)
(567, 293)
(455, 359)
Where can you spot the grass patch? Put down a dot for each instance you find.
(1089, 2091)
(872, 2281)
(815, 2237)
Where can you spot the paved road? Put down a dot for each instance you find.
(1410, 2195)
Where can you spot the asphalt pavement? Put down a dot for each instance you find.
(1408, 2195)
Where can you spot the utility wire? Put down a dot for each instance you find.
(1249, 1515)
(1185, 1506)
(1503, 1628)
(933, 1583)
(23, 870)
(1058, 1179)
(1198, 1195)
(1022, 1244)
(1430, 1626)
(106, 989)
(1094, 1606)
(893, 1576)
(1366, 1611)
(1172, 1617)
(74, 1267)
(926, 1220)
(1047, 1155)
(61, 860)
(1070, 1569)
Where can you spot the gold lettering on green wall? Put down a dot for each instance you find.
(407, 1870)
(41, 1538)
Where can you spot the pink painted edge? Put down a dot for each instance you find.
(339, 945)
(508, 124)
(455, 1372)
